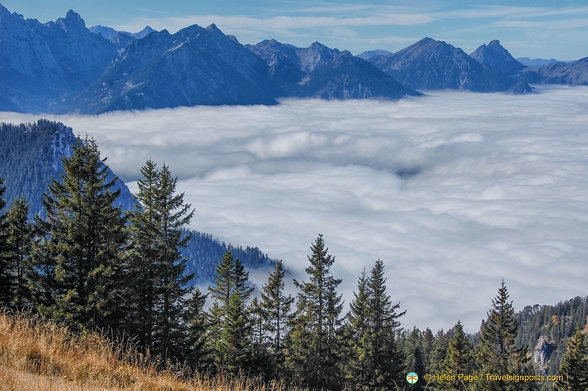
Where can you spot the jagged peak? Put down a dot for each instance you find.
(72, 20)
(213, 27)
(145, 32)
(74, 17)
(494, 42)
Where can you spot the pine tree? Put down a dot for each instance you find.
(198, 353)
(5, 272)
(80, 245)
(144, 256)
(234, 349)
(313, 354)
(574, 366)
(414, 356)
(158, 236)
(230, 326)
(357, 335)
(498, 354)
(19, 241)
(276, 307)
(386, 356)
(459, 360)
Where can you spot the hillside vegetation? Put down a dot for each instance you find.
(38, 355)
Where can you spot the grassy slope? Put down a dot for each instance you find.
(42, 356)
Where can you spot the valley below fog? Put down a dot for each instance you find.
(453, 191)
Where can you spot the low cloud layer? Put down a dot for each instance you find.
(454, 191)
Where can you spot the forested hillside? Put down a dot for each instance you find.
(546, 329)
(32, 154)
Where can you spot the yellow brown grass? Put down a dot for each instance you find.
(37, 355)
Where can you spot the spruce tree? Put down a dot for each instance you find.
(230, 326)
(19, 248)
(357, 335)
(161, 285)
(313, 353)
(234, 346)
(387, 358)
(574, 366)
(5, 271)
(459, 360)
(80, 245)
(276, 306)
(275, 316)
(414, 355)
(198, 353)
(498, 353)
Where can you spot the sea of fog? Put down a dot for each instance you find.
(454, 191)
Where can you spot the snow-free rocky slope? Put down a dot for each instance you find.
(496, 56)
(195, 66)
(41, 63)
(322, 72)
(430, 64)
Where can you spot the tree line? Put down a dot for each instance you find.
(91, 266)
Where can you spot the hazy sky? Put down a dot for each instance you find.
(500, 189)
(532, 28)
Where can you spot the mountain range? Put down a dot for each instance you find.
(63, 66)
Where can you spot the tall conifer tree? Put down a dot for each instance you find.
(498, 354)
(161, 285)
(314, 350)
(276, 312)
(574, 366)
(19, 241)
(459, 360)
(230, 328)
(5, 272)
(79, 250)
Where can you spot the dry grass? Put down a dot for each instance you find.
(37, 355)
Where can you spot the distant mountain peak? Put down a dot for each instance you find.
(495, 55)
(213, 27)
(145, 32)
(74, 19)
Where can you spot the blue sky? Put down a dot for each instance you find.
(532, 28)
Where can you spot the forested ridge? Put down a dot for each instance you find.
(91, 266)
(31, 154)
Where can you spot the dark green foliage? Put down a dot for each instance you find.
(574, 366)
(439, 352)
(157, 265)
(79, 246)
(233, 348)
(276, 314)
(459, 360)
(5, 269)
(357, 337)
(230, 328)
(313, 354)
(414, 356)
(18, 254)
(547, 328)
(203, 252)
(198, 354)
(374, 360)
(498, 353)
